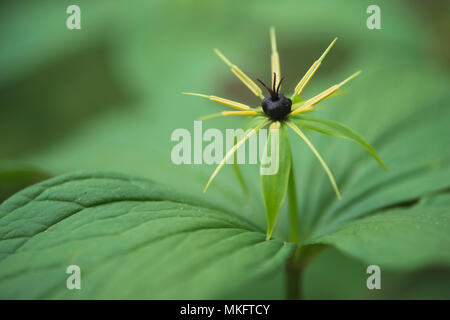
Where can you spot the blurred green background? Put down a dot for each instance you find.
(107, 97)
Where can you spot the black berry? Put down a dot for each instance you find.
(276, 106)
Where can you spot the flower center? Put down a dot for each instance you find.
(276, 106)
(277, 109)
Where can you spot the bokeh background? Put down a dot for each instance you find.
(107, 97)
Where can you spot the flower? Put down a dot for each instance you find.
(279, 112)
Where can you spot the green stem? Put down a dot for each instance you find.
(294, 266)
(294, 272)
(294, 232)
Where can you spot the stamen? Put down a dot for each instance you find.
(323, 95)
(233, 104)
(304, 81)
(229, 113)
(316, 99)
(327, 50)
(241, 75)
(274, 58)
(240, 113)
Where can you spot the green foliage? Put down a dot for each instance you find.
(130, 237)
(398, 238)
(274, 186)
(399, 104)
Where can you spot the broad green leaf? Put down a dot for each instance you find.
(390, 105)
(335, 129)
(274, 171)
(348, 280)
(397, 238)
(131, 238)
(415, 148)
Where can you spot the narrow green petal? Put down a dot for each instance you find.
(319, 157)
(311, 71)
(336, 129)
(238, 174)
(241, 75)
(233, 150)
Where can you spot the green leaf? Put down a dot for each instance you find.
(131, 238)
(335, 129)
(274, 171)
(415, 147)
(393, 105)
(398, 238)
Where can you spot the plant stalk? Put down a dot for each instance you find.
(293, 265)
(294, 271)
(294, 231)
